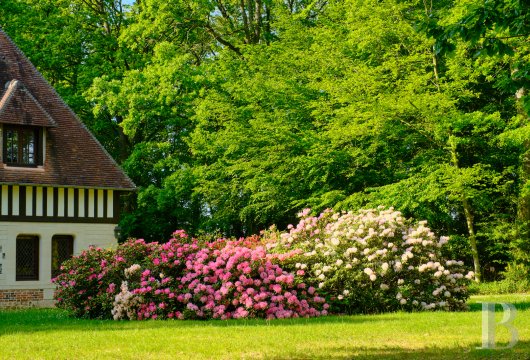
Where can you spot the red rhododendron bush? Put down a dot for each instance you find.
(370, 261)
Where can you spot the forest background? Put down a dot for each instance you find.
(232, 115)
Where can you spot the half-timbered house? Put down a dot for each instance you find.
(59, 188)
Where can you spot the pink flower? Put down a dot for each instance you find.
(277, 288)
(111, 288)
(248, 302)
(192, 307)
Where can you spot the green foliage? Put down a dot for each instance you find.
(516, 280)
(232, 115)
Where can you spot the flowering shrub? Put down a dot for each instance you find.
(224, 279)
(182, 279)
(88, 283)
(370, 261)
(375, 260)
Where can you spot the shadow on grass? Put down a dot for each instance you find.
(34, 320)
(519, 305)
(520, 351)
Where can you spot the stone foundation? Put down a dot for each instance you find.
(22, 298)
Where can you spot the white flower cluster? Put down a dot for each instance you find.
(131, 270)
(378, 250)
(125, 303)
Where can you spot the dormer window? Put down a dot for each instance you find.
(24, 122)
(22, 146)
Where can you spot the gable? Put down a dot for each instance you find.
(73, 156)
(19, 107)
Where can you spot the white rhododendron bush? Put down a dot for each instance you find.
(374, 261)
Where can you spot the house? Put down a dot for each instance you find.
(59, 188)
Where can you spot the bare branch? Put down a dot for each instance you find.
(245, 21)
(219, 38)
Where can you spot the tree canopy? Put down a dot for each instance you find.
(231, 116)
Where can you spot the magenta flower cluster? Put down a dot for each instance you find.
(184, 279)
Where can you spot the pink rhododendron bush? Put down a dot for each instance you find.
(89, 282)
(375, 261)
(185, 280)
(369, 261)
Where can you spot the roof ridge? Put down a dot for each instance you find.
(61, 100)
(11, 89)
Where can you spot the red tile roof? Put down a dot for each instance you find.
(73, 155)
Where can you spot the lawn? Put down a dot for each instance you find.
(51, 334)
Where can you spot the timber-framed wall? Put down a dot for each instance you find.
(59, 204)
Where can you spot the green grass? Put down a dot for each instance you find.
(500, 287)
(51, 334)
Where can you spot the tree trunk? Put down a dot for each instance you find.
(428, 14)
(257, 20)
(468, 213)
(523, 205)
(246, 27)
(125, 144)
(522, 221)
(472, 238)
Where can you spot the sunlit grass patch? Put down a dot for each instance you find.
(51, 334)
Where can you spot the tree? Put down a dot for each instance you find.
(234, 115)
(498, 32)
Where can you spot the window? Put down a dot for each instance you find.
(62, 249)
(27, 258)
(21, 146)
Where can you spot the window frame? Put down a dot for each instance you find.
(36, 260)
(55, 271)
(2, 259)
(21, 131)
